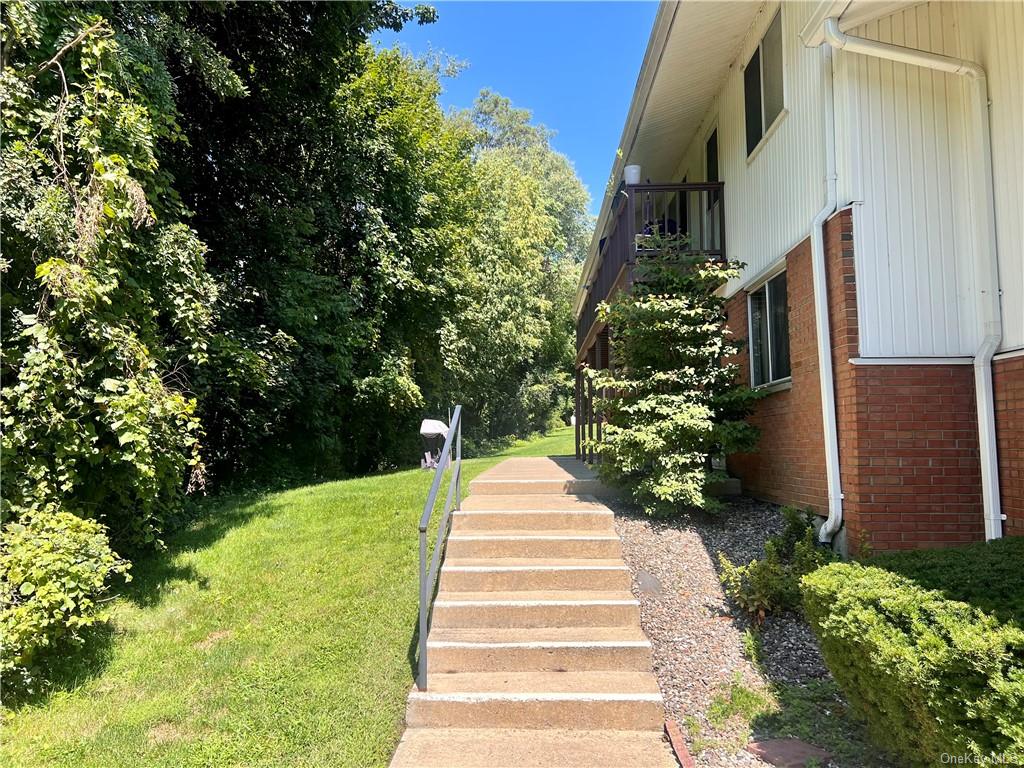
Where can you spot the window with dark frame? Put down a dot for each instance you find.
(769, 332)
(711, 157)
(762, 84)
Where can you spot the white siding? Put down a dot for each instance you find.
(905, 149)
(993, 35)
(904, 154)
(771, 200)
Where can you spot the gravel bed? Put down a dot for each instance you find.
(790, 651)
(697, 637)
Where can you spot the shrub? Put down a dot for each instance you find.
(930, 676)
(773, 582)
(988, 575)
(671, 401)
(54, 569)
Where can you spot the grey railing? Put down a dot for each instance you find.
(453, 501)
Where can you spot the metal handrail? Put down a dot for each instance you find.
(428, 580)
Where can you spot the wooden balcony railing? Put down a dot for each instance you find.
(694, 211)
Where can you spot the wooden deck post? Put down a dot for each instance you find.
(590, 420)
(578, 411)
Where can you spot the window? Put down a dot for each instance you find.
(762, 84)
(769, 332)
(711, 157)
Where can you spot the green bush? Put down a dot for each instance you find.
(930, 676)
(988, 575)
(54, 569)
(773, 582)
(670, 400)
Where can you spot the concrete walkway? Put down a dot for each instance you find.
(535, 654)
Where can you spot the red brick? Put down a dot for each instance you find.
(908, 435)
(1008, 386)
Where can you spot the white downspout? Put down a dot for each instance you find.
(824, 334)
(983, 196)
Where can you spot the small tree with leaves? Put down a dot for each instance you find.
(671, 401)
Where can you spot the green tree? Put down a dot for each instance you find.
(563, 196)
(509, 348)
(672, 401)
(106, 306)
(335, 200)
(113, 336)
(106, 297)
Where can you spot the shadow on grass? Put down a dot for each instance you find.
(211, 521)
(412, 654)
(70, 664)
(62, 668)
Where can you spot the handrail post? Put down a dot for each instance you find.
(421, 677)
(458, 467)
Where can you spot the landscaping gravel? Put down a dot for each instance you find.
(697, 636)
(790, 651)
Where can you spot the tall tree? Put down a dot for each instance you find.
(508, 350)
(333, 199)
(107, 300)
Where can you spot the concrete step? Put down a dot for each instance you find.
(507, 748)
(499, 487)
(524, 543)
(577, 649)
(607, 700)
(532, 501)
(600, 519)
(536, 609)
(510, 574)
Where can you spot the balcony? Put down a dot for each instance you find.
(694, 210)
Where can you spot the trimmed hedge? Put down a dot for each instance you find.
(988, 575)
(930, 676)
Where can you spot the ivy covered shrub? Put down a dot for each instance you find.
(107, 304)
(930, 676)
(671, 402)
(773, 582)
(54, 570)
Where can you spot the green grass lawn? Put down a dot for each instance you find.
(275, 632)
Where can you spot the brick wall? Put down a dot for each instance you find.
(911, 473)
(788, 466)
(908, 440)
(1008, 383)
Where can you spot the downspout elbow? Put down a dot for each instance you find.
(989, 345)
(833, 35)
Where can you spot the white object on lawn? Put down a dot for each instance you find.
(434, 433)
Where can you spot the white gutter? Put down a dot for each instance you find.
(985, 225)
(825, 375)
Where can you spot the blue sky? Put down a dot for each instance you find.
(574, 64)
